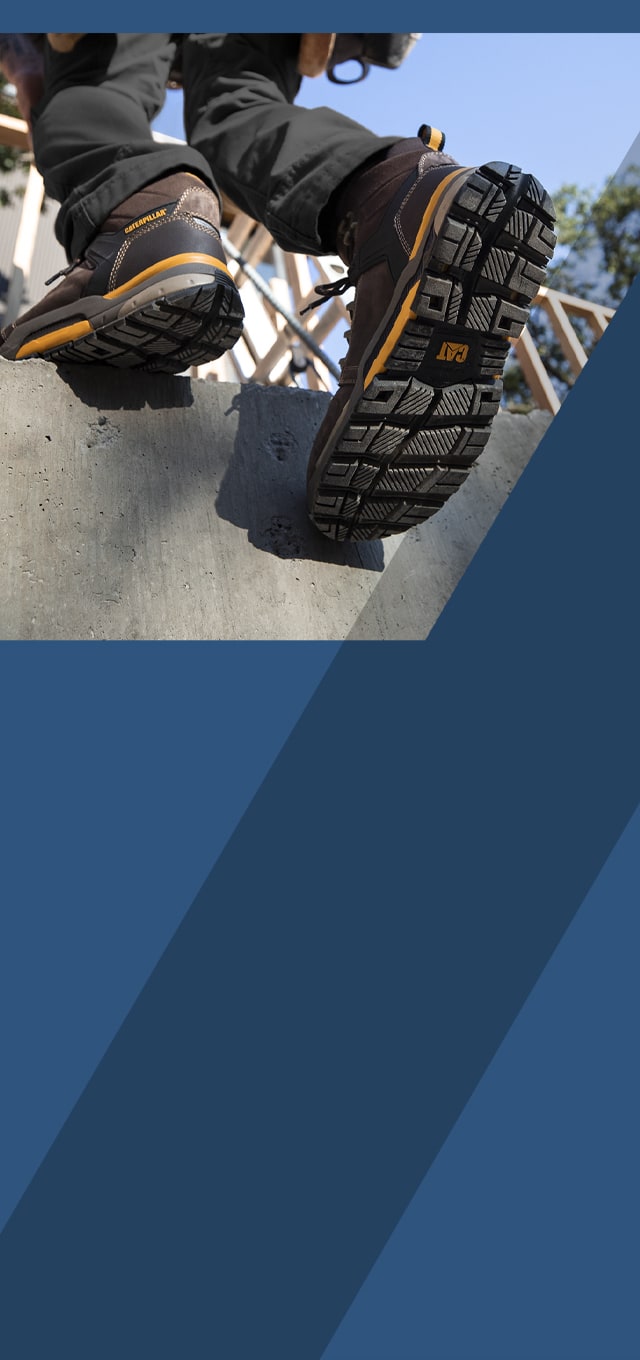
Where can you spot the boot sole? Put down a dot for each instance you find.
(429, 384)
(182, 317)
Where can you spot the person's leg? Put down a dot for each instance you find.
(148, 285)
(91, 131)
(445, 261)
(278, 162)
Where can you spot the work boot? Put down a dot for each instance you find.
(446, 261)
(151, 291)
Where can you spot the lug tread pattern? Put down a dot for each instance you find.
(192, 326)
(420, 425)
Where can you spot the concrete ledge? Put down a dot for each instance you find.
(153, 507)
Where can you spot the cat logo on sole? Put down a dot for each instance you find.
(453, 353)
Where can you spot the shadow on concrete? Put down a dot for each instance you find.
(264, 482)
(110, 389)
(132, 506)
(166, 450)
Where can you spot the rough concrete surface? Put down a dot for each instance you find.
(140, 507)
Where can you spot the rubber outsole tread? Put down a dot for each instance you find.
(419, 426)
(194, 325)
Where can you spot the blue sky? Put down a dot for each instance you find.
(564, 106)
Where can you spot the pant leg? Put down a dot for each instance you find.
(278, 162)
(91, 135)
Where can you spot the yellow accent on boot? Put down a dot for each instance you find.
(436, 140)
(405, 314)
(170, 263)
(452, 353)
(54, 339)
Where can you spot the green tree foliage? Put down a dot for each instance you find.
(602, 229)
(597, 258)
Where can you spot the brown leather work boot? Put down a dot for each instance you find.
(446, 262)
(152, 290)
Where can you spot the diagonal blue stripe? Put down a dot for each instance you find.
(521, 1242)
(124, 772)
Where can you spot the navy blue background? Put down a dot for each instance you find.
(327, 915)
(71, 15)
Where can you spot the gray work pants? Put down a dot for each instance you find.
(278, 162)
